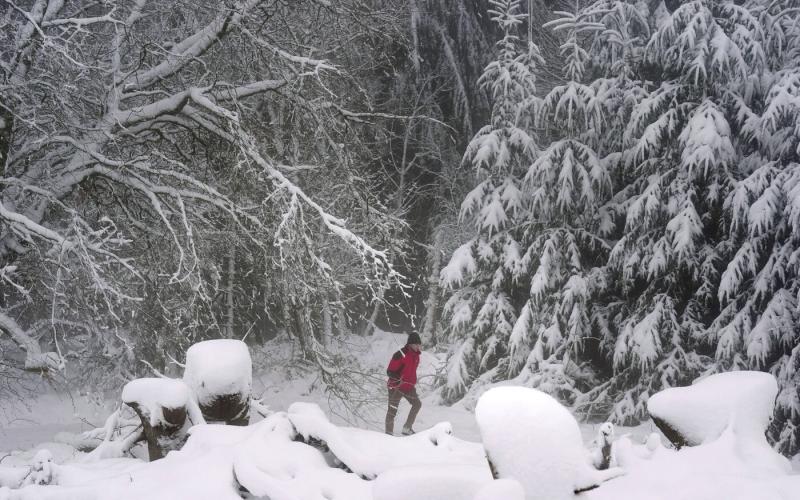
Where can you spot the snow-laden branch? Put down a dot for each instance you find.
(27, 227)
(82, 21)
(189, 48)
(35, 359)
(150, 140)
(335, 225)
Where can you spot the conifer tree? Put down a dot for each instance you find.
(566, 185)
(483, 310)
(658, 235)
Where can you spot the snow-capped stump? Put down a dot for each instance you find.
(700, 413)
(162, 405)
(220, 373)
(531, 437)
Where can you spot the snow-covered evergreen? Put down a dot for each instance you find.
(484, 310)
(659, 232)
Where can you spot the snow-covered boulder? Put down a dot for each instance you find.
(220, 373)
(162, 405)
(701, 412)
(531, 437)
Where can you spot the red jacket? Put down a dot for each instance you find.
(402, 369)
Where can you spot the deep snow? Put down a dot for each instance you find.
(443, 462)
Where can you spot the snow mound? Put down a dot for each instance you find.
(270, 460)
(720, 470)
(726, 415)
(531, 437)
(218, 367)
(627, 454)
(369, 453)
(701, 412)
(12, 477)
(432, 482)
(501, 489)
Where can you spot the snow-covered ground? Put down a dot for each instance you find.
(444, 461)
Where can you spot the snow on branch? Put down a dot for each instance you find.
(35, 359)
(189, 48)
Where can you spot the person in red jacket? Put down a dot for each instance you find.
(402, 372)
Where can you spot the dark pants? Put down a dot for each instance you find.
(395, 395)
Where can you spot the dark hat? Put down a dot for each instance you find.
(413, 338)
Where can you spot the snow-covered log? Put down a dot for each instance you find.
(220, 373)
(689, 416)
(369, 454)
(163, 406)
(532, 438)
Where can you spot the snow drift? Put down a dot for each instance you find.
(727, 414)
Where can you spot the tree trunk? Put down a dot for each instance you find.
(370, 328)
(165, 436)
(229, 319)
(432, 302)
(6, 128)
(327, 321)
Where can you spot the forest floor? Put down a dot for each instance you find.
(48, 420)
(279, 384)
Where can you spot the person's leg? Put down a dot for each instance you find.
(416, 404)
(391, 411)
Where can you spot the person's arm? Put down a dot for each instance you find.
(395, 368)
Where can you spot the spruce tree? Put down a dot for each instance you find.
(484, 307)
(658, 234)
